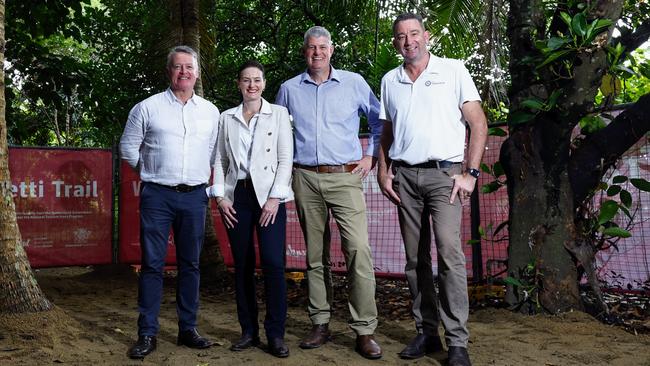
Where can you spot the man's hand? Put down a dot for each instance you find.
(227, 213)
(385, 180)
(463, 187)
(364, 166)
(269, 210)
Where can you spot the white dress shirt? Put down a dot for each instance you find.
(170, 143)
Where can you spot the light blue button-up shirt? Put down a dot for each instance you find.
(326, 117)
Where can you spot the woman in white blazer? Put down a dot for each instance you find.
(252, 176)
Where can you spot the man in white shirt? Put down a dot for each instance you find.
(169, 139)
(425, 104)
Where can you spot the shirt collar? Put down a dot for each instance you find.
(335, 75)
(239, 111)
(430, 69)
(171, 98)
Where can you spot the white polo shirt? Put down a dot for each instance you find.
(426, 114)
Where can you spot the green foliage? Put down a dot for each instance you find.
(527, 286)
(74, 70)
(601, 224)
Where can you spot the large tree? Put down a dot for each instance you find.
(19, 291)
(560, 53)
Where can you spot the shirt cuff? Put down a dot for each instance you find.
(280, 192)
(215, 190)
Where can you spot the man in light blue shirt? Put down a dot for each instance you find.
(329, 166)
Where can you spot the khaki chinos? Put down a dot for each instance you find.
(316, 195)
(424, 194)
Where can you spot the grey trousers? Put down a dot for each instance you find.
(424, 193)
(318, 194)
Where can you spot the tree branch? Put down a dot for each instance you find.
(634, 39)
(600, 151)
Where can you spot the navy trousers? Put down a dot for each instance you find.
(271, 241)
(162, 208)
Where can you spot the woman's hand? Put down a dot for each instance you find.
(227, 212)
(269, 210)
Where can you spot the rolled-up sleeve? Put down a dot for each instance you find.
(133, 136)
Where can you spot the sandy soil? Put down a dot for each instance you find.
(94, 323)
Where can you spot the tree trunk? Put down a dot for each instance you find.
(186, 31)
(19, 291)
(535, 159)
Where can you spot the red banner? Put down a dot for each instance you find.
(63, 204)
(129, 249)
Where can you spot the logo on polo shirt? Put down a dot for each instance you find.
(429, 82)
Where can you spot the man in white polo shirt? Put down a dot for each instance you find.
(425, 103)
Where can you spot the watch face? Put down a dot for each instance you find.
(474, 172)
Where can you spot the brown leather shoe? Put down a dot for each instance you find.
(368, 347)
(318, 336)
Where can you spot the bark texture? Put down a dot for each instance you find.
(546, 179)
(19, 291)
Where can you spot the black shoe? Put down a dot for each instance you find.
(420, 346)
(192, 339)
(246, 341)
(144, 346)
(457, 356)
(277, 348)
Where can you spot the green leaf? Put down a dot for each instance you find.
(607, 211)
(579, 24)
(490, 187)
(553, 56)
(498, 169)
(566, 18)
(556, 42)
(520, 117)
(552, 100)
(513, 281)
(613, 190)
(591, 124)
(481, 231)
(496, 131)
(619, 179)
(485, 168)
(626, 198)
(533, 103)
(617, 232)
(595, 28)
(626, 71)
(473, 241)
(644, 69)
(626, 212)
(641, 184)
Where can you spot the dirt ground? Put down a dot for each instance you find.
(94, 323)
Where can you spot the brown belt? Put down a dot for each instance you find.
(344, 168)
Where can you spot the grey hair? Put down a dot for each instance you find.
(183, 49)
(316, 32)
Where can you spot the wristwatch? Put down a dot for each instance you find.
(474, 172)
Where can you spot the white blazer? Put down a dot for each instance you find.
(271, 155)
